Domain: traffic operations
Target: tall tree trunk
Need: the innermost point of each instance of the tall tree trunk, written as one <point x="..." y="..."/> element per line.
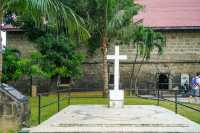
<point x="31" y="85"/>
<point x="136" y="77"/>
<point x="104" y="46"/>
<point x="1" y="64"/>
<point x="105" y="66"/>
<point x="1" y="55"/>
<point x="133" y="71"/>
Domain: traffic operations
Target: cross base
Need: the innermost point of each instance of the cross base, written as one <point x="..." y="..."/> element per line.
<point x="116" y="104"/>
<point x="116" y="98"/>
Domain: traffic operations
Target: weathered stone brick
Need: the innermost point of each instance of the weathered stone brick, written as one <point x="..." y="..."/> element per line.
<point x="181" y="55"/>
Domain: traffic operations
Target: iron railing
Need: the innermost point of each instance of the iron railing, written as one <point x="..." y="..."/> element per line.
<point x="156" y="95"/>
<point x="175" y="93"/>
<point x="57" y="101"/>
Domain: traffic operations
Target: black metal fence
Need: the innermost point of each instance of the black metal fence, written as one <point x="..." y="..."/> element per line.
<point x="172" y="96"/>
<point x="66" y="99"/>
<point x="64" y="95"/>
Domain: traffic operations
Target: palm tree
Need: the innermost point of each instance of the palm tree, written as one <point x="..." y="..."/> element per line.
<point x="54" y="10"/>
<point x="146" y="40"/>
<point x="118" y="25"/>
<point x="107" y="21"/>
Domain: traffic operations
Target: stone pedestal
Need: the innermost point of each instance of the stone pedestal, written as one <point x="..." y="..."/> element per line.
<point x="116" y="98"/>
<point x="34" y="91"/>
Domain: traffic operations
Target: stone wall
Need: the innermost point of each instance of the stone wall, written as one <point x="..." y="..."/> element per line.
<point x="180" y="46"/>
<point x="13" y="113"/>
<point x="8" y="113"/>
<point x="20" y="41"/>
<point x="92" y="77"/>
<point x="6" y="105"/>
<point x="181" y="55"/>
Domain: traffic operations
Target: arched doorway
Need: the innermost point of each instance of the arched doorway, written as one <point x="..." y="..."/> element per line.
<point x="163" y="81"/>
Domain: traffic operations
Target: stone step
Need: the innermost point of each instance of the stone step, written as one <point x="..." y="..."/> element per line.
<point x="122" y="125"/>
<point x="114" y="130"/>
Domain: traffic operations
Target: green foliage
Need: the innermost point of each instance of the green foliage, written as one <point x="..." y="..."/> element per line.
<point x="30" y="67"/>
<point x="92" y="13"/>
<point x="120" y="14"/>
<point x="14" y="66"/>
<point x="10" y="59"/>
<point x="110" y="18"/>
<point x="147" y="40"/>
<point x="11" y="131"/>
<point x="46" y="13"/>
<point x="56" y="56"/>
<point x="59" y="56"/>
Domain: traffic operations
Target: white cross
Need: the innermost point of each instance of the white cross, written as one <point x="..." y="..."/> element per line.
<point x="116" y="58"/>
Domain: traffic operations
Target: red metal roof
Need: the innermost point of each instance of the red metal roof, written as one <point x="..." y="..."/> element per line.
<point x="9" y="27"/>
<point x="169" y="13"/>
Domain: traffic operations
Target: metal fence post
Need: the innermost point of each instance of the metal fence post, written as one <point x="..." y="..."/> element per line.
<point x="69" y="96"/>
<point x="39" y="107"/>
<point x="158" y="97"/>
<point x="58" y="101"/>
<point x="175" y="101"/>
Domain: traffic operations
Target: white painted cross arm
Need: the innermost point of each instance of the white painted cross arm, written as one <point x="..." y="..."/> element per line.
<point x="123" y="57"/>
<point x="116" y="56"/>
<point x="120" y="57"/>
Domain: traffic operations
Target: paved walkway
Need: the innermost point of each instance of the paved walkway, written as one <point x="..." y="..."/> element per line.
<point x="130" y="119"/>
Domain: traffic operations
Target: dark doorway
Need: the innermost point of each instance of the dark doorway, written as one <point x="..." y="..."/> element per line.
<point x="163" y="81"/>
<point x="111" y="73"/>
<point x="111" y="79"/>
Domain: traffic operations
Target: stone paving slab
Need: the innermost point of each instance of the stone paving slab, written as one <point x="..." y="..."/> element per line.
<point x="130" y="119"/>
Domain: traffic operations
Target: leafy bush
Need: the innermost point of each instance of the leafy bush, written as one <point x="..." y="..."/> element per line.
<point x="55" y="56"/>
<point x="60" y="56"/>
<point x="11" y="57"/>
<point x="14" y="66"/>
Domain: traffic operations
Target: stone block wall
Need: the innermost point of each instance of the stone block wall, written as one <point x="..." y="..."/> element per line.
<point x="6" y="105"/>
<point x="180" y="46"/>
<point x="8" y="113"/>
<point x="181" y="55"/>
<point x="92" y="77"/>
<point x="13" y="113"/>
<point x="20" y="41"/>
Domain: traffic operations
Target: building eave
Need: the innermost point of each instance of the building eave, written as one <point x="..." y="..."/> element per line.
<point x="12" y="29"/>
<point x="188" y="28"/>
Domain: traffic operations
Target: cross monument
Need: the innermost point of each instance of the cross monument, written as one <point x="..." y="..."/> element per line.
<point x="116" y="96"/>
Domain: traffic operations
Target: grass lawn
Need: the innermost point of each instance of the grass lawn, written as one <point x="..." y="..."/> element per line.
<point x="95" y="98"/>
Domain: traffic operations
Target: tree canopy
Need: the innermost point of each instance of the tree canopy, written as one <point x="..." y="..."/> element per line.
<point x="51" y="12"/>
<point x="110" y="22"/>
<point x="59" y="56"/>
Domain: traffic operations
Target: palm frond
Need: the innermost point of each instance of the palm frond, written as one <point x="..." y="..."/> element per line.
<point x="58" y="14"/>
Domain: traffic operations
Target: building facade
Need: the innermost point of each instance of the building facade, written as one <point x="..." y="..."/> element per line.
<point x="178" y="20"/>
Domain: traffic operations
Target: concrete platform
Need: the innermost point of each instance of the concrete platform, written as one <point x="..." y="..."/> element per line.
<point x="130" y="119"/>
